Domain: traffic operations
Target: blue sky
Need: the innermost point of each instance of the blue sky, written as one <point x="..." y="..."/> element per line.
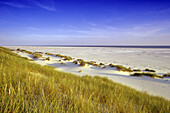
<point x="84" y="22"/>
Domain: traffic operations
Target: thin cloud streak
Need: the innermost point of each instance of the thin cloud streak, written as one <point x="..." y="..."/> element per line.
<point x="19" y="5"/>
<point x="60" y="36"/>
<point x="109" y="34"/>
<point x="49" y="8"/>
<point x="138" y="32"/>
<point x="13" y="4"/>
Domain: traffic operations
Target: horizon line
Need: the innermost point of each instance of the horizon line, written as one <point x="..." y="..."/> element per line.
<point x="121" y="46"/>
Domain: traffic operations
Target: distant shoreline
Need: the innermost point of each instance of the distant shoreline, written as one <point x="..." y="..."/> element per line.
<point x="118" y="46"/>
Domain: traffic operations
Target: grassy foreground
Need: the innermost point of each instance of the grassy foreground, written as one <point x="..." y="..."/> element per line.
<point x="30" y="87"/>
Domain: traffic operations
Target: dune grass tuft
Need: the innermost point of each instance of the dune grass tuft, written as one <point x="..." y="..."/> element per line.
<point x="121" y="68"/>
<point x="83" y="63"/>
<point x="40" y="52"/>
<point x="153" y="75"/>
<point x="75" y="62"/>
<point x="67" y="58"/>
<point x="62" y="62"/>
<point x="97" y="65"/>
<point x="101" y="64"/>
<point x="91" y="62"/>
<point x="48" y="59"/>
<point x="35" y="55"/>
<point x="111" y="65"/>
<point x="18" y="49"/>
<point x="137" y="70"/>
<point x="150" y="70"/>
<point x="25" y="51"/>
<point x="49" y="54"/>
<point x="166" y="75"/>
<point x="59" y="55"/>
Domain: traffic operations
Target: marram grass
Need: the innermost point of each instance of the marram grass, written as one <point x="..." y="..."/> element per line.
<point x="29" y="87"/>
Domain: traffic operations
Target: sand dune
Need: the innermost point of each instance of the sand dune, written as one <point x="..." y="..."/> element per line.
<point x="135" y="58"/>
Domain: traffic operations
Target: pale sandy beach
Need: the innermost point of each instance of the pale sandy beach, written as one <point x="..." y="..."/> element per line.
<point x="142" y="58"/>
<point x="136" y="58"/>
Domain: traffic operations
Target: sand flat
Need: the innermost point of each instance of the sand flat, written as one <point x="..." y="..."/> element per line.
<point x="142" y="58"/>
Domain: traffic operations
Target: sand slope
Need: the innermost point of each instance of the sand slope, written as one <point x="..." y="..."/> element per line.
<point x="160" y="87"/>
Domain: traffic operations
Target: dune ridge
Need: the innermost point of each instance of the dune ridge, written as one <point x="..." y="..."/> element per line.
<point x="159" y="87"/>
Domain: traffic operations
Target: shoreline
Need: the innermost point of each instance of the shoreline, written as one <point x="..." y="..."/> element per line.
<point x="113" y="46"/>
<point x="152" y="86"/>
